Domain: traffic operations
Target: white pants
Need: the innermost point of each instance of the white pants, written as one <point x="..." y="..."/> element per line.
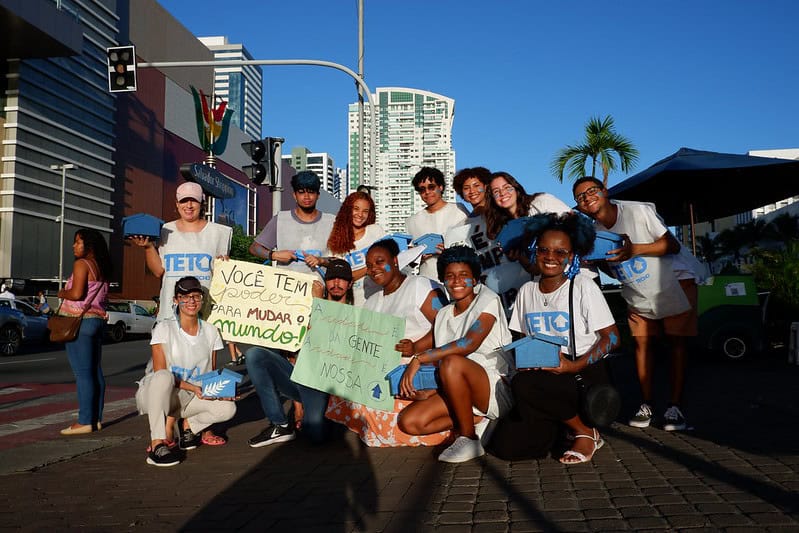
<point x="158" y="397"/>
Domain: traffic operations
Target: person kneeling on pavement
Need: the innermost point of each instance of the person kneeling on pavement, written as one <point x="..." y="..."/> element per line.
<point x="270" y="373"/>
<point x="183" y="347"/>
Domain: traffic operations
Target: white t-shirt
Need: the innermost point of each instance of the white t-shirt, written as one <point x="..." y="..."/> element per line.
<point x="406" y="302"/>
<point x="535" y="312"/>
<point x="450" y="327"/>
<point x="189" y="253"/>
<point x="547" y="203"/>
<point x="364" y="287"/>
<point x="187" y="356"/>
<point x="649" y="284"/>
<point x="287" y="232"/>
<point x="424" y="222"/>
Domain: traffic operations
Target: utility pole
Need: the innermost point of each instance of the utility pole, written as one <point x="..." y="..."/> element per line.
<point x="360" y="99"/>
<point x="64" y="167"/>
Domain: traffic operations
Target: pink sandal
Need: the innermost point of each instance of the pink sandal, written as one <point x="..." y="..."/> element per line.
<point x="213" y="440"/>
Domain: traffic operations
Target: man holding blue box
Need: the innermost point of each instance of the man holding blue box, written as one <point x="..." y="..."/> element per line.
<point x="659" y="284"/>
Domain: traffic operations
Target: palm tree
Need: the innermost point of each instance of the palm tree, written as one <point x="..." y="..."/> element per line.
<point x="601" y="142"/>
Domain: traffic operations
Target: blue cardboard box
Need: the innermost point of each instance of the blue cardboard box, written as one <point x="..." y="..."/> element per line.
<point x="430" y="241"/>
<point x="537" y="351"/>
<point x="604" y="242"/>
<point x="142" y="224"/>
<point x="510" y="236"/>
<point x="220" y="383"/>
<point x="425" y="378"/>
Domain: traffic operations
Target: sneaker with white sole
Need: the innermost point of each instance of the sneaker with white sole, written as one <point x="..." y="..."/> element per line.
<point x="643" y="417"/>
<point x="162" y="456"/>
<point x="272" y="435"/>
<point x="674" y="420"/>
<point x="462" y="450"/>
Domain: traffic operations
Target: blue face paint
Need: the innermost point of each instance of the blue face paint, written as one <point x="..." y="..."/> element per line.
<point x="387" y="268"/>
<point x="469" y="282"/>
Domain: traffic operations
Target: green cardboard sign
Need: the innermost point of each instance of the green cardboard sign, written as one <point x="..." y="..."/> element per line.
<point x="348" y="351"/>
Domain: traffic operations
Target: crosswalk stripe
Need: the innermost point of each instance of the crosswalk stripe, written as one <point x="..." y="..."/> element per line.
<point x="31" y="424"/>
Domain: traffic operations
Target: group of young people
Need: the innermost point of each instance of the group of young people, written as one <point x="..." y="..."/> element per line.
<point x="461" y="306"/>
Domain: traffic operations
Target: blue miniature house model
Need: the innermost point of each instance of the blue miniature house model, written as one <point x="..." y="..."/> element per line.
<point x="402" y="240"/>
<point x="604" y="242"/>
<point x="510" y="236"/>
<point x="142" y="224"/>
<point x="430" y="241"/>
<point x="425" y="378"/>
<point x="537" y="351"/>
<point x="220" y="383"/>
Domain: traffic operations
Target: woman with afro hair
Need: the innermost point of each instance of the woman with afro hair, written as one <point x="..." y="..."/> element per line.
<point x="547" y="399"/>
<point x="354" y="231"/>
<point x="469" y="334"/>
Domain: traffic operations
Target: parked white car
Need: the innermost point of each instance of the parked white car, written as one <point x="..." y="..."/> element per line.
<point x="128" y="317"/>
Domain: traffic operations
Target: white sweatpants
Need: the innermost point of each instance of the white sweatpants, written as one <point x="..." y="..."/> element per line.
<point x="158" y="397"/>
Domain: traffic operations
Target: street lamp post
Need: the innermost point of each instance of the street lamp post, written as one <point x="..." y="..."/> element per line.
<point x="64" y="167"/>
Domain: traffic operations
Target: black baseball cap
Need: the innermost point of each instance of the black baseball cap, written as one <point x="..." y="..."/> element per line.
<point x="188" y="285"/>
<point x="338" y="268"/>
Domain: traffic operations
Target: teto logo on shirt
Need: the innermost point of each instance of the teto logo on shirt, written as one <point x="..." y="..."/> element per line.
<point x="547" y="322"/>
<point x="630" y="271"/>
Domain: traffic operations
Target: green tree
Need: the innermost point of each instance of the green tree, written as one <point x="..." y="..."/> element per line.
<point x="783" y="228"/>
<point x="240" y="246"/>
<point x="778" y="271"/>
<point x="603" y="144"/>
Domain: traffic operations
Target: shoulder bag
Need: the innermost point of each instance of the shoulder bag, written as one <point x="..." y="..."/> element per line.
<point x="64" y="328"/>
<point x="599" y="402"/>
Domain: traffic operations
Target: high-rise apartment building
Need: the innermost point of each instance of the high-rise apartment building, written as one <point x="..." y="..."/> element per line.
<point x="242" y="87"/>
<point x="414" y="130"/>
<point x="321" y="163"/>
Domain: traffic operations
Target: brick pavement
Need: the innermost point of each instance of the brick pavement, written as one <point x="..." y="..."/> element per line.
<point x="736" y="472"/>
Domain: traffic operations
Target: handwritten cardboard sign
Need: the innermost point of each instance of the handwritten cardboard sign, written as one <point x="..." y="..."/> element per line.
<point x="257" y="304"/>
<point x="348" y="352"/>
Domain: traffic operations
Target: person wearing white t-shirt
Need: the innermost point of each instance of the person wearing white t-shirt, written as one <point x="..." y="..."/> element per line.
<point x="548" y="397"/>
<point x="437" y="217"/>
<point x="469" y="334"/>
<point x="292" y="237"/>
<point x="183" y="347"/>
<point x="658" y="285"/>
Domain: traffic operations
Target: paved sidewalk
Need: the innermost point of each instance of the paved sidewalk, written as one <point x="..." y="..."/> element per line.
<point x="738" y="471"/>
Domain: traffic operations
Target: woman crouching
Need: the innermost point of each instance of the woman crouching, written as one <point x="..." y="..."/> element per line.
<point x="469" y="334"/>
<point x="182" y="349"/>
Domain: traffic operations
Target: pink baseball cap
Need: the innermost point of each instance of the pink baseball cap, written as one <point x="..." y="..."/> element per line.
<point x="191" y="190"/>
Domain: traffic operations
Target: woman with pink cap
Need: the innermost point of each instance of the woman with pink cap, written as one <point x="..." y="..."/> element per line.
<point x="187" y="247"/>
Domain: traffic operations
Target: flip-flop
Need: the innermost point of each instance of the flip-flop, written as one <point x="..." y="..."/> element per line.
<point x="213" y="440"/>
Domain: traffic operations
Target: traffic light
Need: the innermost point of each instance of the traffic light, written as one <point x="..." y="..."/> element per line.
<point x="266" y="155"/>
<point x="121" y="68"/>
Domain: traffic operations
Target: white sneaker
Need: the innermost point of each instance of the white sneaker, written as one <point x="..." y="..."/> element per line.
<point x="484" y="429"/>
<point x="462" y="450"/>
<point x="643" y="417"/>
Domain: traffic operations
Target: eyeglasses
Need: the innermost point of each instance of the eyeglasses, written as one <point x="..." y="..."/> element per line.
<point x="426" y="188"/>
<point x="193" y="297"/>
<point x="560" y="253"/>
<point x="507" y="189"/>
<point x="590" y="191"/>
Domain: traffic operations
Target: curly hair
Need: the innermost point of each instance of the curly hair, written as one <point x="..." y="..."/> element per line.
<point x="342" y="236"/>
<point x="94" y="242"/>
<point x="481" y="173"/>
<point x="579" y="228"/>
<point x="429" y="173"/>
<point x="496" y="217"/>
<point x="459" y="254"/>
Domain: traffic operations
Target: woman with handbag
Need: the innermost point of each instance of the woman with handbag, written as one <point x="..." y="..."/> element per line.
<point x="84" y="299"/>
<point x="560" y="301"/>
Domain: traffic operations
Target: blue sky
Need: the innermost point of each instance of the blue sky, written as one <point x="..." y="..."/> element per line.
<point x="715" y="75"/>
